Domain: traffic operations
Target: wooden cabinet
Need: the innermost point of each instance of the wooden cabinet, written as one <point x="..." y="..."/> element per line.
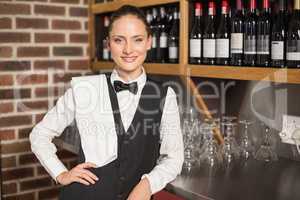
<point x="183" y="68"/>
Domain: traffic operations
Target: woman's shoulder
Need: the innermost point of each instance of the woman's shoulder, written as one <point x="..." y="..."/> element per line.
<point x="87" y="79"/>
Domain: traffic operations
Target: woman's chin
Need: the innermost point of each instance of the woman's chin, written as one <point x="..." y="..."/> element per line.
<point x="129" y="66"/>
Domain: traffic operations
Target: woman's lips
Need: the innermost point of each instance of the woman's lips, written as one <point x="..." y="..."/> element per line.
<point x="129" y="59"/>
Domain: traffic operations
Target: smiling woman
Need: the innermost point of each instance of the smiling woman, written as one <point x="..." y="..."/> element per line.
<point x="126" y="121"/>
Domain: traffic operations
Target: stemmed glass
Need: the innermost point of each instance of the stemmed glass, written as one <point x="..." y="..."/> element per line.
<point x="189" y="129"/>
<point x="266" y="152"/>
<point x="227" y="119"/>
<point x="230" y="150"/>
<point x="209" y="156"/>
<point x="247" y="147"/>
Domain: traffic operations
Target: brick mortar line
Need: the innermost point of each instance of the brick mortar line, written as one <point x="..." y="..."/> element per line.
<point x="48" y="3"/>
<point x="40" y="71"/>
<point x="29" y="30"/>
<point x="62" y="71"/>
<point x="50" y="18"/>
<point x="45" y="44"/>
<point x="32" y="165"/>
<point x="54" y="58"/>
<point x="16" y="129"/>
<point x="17" y="87"/>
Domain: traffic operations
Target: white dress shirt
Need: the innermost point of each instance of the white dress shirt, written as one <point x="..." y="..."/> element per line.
<point x="88" y="102"/>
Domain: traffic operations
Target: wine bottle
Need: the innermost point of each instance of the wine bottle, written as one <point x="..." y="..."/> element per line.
<point x="170" y="18"/>
<point x="173" y="41"/>
<point x="263" y="36"/>
<point x="250" y="26"/>
<point x="155" y="35"/>
<point x="237" y="35"/>
<point x="105" y="52"/>
<point x="149" y="18"/>
<point x="196" y="36"/>
<point x="162" y="50"/>
<point x="293" y="38"/>
<point x="209" y="37"/>
<point x="278" y="38"/>
<point x="223" y="36"/>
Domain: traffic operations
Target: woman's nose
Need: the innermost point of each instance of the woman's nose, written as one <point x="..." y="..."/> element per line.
<point x="127" y="48"/>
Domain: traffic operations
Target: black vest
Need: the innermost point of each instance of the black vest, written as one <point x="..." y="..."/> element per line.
<point x="138" y="149"/>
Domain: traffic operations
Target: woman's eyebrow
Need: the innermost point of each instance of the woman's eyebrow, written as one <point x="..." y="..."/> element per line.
<point x="121" y="36"/>
<point x="136" y="36"/>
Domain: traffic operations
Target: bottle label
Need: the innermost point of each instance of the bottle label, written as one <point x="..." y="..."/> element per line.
<point x="263" y="44"/>
<point x="277" y="50"/>
<point x="209" y="48"/>
<point x="195" y="48"/>
<point x="154" y="45"/>
<point x="163" y="40"/>
<point x="173" y="52"/>
<point x="197" y="12"/>
<point x="211" y="11"/>
<point x="250" y="44"/>
<point x="105" y="54"/>
<point x="237" y="43"/>
<point x="222" y="48"/>
<point x="293" y="56"/>
<point x="293" y="50"/>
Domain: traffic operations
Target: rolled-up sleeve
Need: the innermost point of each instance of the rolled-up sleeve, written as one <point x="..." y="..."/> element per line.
<point x="171" y="148"/>
<point x="52" y="125"/>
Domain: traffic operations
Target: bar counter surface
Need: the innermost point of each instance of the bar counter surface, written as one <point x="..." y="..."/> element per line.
<point x="251" y="180"/>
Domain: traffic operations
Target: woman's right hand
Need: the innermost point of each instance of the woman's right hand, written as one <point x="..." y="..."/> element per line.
<point x="78" y="174"/>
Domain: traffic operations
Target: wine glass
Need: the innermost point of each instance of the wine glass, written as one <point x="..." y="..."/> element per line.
<point x="190" y="133"/>
<point x="266" y="152"/>
<point x="227" y="119"/>
<point x="210" y="156"/>
<point x="230" y="150"/>
<point x="247" y="147"/>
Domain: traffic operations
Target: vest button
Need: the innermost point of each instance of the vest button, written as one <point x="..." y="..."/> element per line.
<point x="126" y="142"/>
<point x="120" y="195"/>
<point x="122" y="178"/>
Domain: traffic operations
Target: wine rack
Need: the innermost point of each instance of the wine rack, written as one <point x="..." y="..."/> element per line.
<point x="183" y="68"/>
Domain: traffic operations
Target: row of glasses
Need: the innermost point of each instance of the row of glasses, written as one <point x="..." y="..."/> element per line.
<point x="233" y="152"/>
<point x="201" y="148"/>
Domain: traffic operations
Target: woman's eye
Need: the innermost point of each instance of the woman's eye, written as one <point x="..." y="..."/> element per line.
<point x="117" y="40"/>
<point x="139" y="40"/>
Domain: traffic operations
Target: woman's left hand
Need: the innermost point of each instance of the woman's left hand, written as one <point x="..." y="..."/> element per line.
<point x="141" y="191"/>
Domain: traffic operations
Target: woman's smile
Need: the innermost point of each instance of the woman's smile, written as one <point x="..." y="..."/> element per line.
<point x="129" y="59"/>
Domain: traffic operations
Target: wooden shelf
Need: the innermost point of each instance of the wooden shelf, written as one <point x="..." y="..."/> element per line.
<point x="163" y="69"/>
<point x="111" y="6"/>
<point x="220" y="72"/>
<point x="245" y="73"/>
<point x="152" y="68"/>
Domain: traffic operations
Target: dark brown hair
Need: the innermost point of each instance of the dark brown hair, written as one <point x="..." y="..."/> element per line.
<point x="129" y="10"/>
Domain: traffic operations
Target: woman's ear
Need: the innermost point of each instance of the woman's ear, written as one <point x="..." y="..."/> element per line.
<point x="149" y="42"/>
<point x="107" y="43"/>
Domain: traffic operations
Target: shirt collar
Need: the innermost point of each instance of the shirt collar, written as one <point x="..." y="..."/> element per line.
<point x="141" y="79"/>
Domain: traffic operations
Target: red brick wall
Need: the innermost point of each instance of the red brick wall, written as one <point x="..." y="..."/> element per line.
<point x="42" y="44"/>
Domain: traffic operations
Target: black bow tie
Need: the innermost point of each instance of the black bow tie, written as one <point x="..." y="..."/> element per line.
<point x="132" y="87"/>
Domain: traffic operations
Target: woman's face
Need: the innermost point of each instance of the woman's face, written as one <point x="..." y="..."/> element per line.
<point x="128" y="43"/>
